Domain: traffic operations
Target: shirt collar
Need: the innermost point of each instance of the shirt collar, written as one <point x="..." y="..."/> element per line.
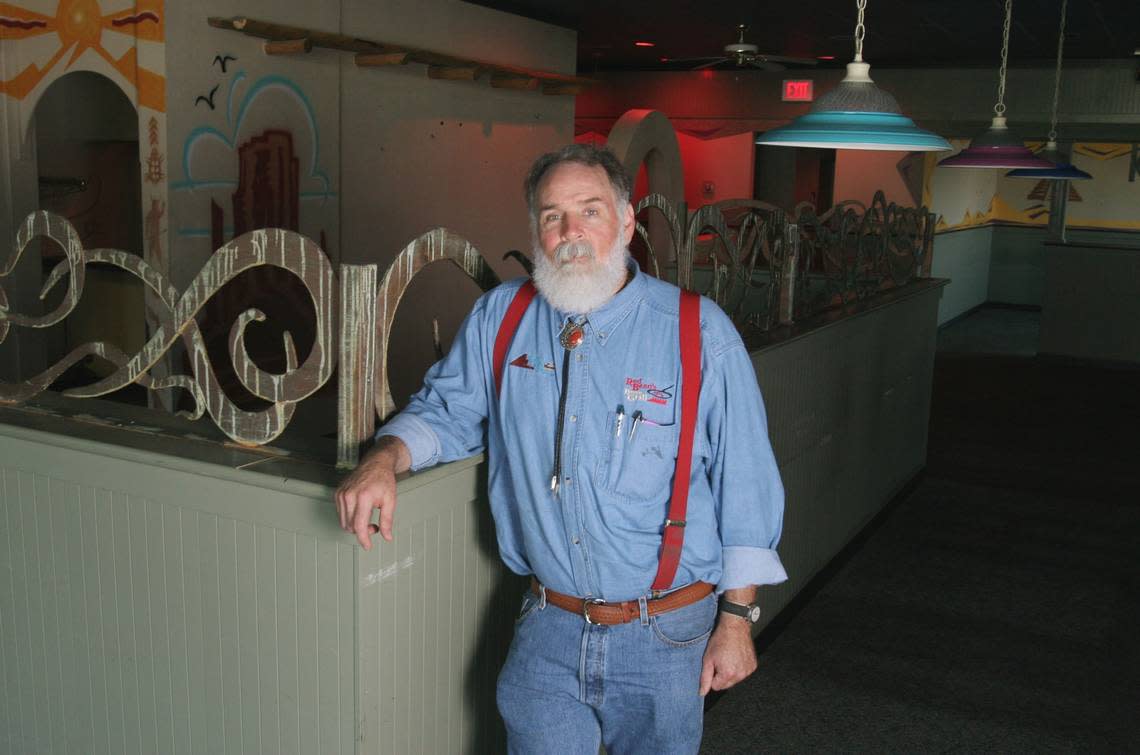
<point x="620" y="305"/>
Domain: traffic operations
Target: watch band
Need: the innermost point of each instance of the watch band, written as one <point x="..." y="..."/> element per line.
<point x="750" y="612"/>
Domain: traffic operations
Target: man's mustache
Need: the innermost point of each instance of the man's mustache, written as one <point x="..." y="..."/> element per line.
<point x="568" y="251"/>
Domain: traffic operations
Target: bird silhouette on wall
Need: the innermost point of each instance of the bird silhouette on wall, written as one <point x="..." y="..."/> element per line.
<point x="208" y="99"/>
<point x="222" y="60"/>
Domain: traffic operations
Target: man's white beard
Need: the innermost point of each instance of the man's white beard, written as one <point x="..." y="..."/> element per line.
<point x="579" y="288"/>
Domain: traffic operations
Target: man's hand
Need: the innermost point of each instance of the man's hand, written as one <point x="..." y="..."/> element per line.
<point x="730" y="655"/>
<point x="372" y="485"/>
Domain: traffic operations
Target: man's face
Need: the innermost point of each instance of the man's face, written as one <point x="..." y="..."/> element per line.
<point x="576" y="203"/>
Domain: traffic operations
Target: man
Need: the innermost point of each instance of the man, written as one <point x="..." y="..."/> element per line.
<point x="582" y="436"/>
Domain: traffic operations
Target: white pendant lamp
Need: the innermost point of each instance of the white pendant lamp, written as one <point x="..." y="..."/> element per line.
<point x="856" y="115"/>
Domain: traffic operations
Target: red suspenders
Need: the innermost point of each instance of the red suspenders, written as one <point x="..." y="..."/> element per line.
<point x="674" y="535"/>
<point x="690" y="340"/>
<point x="508" y="327"/>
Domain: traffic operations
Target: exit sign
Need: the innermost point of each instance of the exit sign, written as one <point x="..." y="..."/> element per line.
<point x="797" y="90"/>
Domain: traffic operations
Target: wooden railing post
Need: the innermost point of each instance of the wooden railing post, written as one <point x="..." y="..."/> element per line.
<point x="788" y="274"/>
<point x="356" y="341"/>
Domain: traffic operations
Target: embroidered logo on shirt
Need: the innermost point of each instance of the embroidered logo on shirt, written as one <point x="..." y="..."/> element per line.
<point x="523" y="362"/>
<point x="640" y="389"/>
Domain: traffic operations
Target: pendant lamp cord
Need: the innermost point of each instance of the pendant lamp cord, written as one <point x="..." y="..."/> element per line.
<point x="860" y="31"/>
<point x="1057" y="78"/>
<point x="999" y="108"/>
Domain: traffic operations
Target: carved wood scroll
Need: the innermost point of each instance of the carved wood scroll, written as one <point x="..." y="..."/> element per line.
<point x="284" y="249"/>
<point x="764" y="270"/>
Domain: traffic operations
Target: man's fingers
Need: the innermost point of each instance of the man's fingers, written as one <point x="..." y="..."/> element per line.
<point x="387" y="514"/>
<point x="340" y="505"/>
<point x="361" y="517"/>
<point x="707" y="671"/>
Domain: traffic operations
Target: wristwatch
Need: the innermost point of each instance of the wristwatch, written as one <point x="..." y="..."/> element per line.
<point x="751" y="612"/>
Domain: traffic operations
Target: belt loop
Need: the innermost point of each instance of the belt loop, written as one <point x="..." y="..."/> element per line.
<point x="541" y="596"/>
<point x="643" y="604"/>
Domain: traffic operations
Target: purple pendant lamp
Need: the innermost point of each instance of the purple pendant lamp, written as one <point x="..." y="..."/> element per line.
<point x="997" y="146"/>
<point x="1062" y="169"/>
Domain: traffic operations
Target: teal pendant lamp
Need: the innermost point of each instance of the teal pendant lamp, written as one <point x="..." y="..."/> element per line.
<point x="997" y="146"/>
<point x="1062" y="169"/>
<point x="856" y="115"/>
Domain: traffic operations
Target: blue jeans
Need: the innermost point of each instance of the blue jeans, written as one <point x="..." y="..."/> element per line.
<point x="568" y="686"/>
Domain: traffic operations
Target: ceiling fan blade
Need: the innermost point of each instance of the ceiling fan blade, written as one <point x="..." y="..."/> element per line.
<point x="787" y="59"/>
<point x="701" y="59"/>
<point x="711" y="63"/>
<point x="764" y="64"/>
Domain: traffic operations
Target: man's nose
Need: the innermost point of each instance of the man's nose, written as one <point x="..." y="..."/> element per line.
<point x="571" y="228"/>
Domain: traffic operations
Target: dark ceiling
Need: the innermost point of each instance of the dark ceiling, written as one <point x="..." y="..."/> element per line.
<point x="899" y="32"/>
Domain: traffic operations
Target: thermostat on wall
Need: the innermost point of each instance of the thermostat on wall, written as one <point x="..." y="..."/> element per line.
<point x="797" y="90"/>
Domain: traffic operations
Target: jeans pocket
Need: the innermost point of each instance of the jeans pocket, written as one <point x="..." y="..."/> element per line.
<point x="688" y="625"/>
<point x="529" y="603"/>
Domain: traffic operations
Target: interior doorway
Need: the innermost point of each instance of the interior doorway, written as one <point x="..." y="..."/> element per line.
<point x="787" y="176"/>
<point x="86" y="137"/>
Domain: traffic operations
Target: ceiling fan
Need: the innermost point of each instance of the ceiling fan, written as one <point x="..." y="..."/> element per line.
<point x="747" y="54"/>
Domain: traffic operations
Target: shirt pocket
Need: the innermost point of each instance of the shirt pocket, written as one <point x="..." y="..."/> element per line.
<point x="640" y="462"/>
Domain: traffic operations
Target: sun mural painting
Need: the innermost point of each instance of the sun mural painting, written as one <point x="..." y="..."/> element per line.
<point x="111" y="30"/>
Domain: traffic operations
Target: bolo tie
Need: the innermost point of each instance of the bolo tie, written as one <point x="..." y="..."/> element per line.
<point x="571" y="338"/>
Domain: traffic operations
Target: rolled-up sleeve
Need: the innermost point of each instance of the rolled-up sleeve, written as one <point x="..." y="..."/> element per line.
<point x="743" y="474"/>
<point x="446" y="419"/>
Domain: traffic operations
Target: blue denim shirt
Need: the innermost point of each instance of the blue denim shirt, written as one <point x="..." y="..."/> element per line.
<point x="599" y="534"/>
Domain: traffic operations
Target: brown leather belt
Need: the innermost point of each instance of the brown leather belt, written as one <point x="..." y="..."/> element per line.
<point x="595" y="611"/>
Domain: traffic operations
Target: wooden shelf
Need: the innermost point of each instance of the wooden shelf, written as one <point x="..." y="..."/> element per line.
<point x="295" y="40"/>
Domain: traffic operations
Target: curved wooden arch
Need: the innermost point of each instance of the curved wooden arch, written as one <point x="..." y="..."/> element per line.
<point x="647" y="136"/>
<point x="438" y="245"/>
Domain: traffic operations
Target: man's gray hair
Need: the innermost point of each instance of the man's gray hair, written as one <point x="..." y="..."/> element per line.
<point x="584" y="154"/>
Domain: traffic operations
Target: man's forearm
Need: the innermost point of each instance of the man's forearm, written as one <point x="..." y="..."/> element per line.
<point x="389" y="449"/>
<point x="741" y="596"/>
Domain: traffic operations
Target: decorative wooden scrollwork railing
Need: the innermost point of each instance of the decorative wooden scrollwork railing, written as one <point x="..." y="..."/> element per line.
<point x="761" y="268"/>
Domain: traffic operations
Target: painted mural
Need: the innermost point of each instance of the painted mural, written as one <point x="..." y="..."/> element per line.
<point x="1112" y="198"/>
<point x="55" y="38"/>
<point x="237" y="114"/>
<point x="251" y="159"/>
<point x="970" y="198"/>
<point x="123" y="40"/>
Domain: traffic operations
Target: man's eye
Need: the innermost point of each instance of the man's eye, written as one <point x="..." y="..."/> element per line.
<point x="548" y="219"/>
<point x="591" y="210"/>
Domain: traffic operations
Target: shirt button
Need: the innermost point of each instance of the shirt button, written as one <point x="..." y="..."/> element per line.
<point x="567" y="480"/>
<point x="581" y="357"/>
<point x="576" y="541"/>
<point x="573" y="417"/>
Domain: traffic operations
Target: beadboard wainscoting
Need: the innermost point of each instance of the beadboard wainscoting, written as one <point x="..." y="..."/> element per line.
<point x="163" y="594"/>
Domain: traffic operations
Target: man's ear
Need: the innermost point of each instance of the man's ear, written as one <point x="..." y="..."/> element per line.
<point x="627" y="224"/>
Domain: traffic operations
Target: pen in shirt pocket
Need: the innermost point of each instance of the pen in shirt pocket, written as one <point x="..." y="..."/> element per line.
<point x="637" y="420"/>
<point x="620" y="421"/>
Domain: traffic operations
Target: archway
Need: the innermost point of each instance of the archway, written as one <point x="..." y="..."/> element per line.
<point x="647" y="137"/>
<point x="86" y="137"/>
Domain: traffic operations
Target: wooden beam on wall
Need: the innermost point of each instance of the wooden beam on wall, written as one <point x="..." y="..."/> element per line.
<point x="378" y="59"/>
<point x="454" y="73"/>
<point x="288" y="46"/>
<point x="283" y="40"/>
<point x="501" y="80"/>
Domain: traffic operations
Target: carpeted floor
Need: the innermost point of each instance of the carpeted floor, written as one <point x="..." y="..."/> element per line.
<point x="994" y="608"/>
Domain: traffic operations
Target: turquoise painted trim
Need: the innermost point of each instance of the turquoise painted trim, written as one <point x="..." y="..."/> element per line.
<point x="192" y="185"/>
<point x="230" y="140"/>
<point x="855" y="130"/>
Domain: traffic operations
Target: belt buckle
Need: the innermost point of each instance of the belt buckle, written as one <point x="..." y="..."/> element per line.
<point x="586" y="603"/>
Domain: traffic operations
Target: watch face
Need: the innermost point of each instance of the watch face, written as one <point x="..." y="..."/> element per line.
<point x="754" y="614"/>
